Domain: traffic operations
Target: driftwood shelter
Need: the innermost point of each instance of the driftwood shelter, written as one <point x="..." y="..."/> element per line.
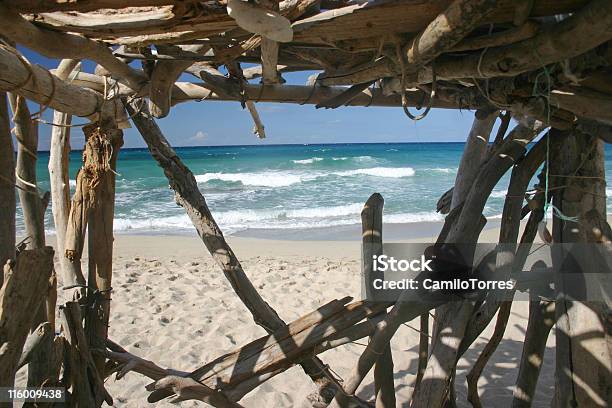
<point x="545" y="63"/>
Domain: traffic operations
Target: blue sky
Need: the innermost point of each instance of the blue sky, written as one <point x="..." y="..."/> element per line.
<point x="213" y="123"/>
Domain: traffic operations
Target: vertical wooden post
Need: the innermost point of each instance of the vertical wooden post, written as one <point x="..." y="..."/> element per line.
<point x="106" y="139"/>
<point x="583" y="362"/>
<point x="41" y="370"/>
<point x="372" y="224"/>
<point x="59" y="179"/>
<point x="7" y="187"/>
<point x="23" y="291"/>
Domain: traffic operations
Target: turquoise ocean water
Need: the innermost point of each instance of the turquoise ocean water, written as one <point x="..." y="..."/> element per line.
<point x="288" y="187"/>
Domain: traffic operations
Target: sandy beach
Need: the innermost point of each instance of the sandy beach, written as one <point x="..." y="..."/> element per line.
<point x="172" y="305"/>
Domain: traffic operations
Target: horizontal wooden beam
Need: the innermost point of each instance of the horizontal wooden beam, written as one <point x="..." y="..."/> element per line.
<point x="39" y="85"/>
<point x="383" y="18"/>
<point x="296" y="94"/>
<point x="42" y="6"/>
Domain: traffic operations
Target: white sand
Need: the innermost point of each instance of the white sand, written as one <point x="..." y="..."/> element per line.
<point x="172" y="305"/>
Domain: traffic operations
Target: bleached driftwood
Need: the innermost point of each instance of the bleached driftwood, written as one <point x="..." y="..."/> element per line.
<point x="59" y="151"/>
<point x="446" y="30"/>
<point x="64" y="45"/>
<point x="506" y="37"/>
<point x="7" y="186"/>
<point x="371" y="236"/>
<point x="38" y="85"/>
<point x="25" y="287"/>
<point x="163" y="77"/>
<point x="255" y="19"/>
<point x="474" y="154"/>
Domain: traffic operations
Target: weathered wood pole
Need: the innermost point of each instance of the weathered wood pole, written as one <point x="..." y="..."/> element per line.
<point x="23" y="291"/>
<point x="541" y="321"/>
<point x="583" y="361"/>
<point x="107" y="139"/>
<point x="59" y="152"/>
<point x="474" y="155"/>
<point x="372" y="224"/>
<point x="7" y="186"/>
<point x="41" y="369"/>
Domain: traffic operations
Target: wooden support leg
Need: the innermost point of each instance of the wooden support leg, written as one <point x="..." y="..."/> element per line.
<point x="59" y="180"/>
<point x="372" y="223"/>
<point x="7" y="186"/>
<point x="105" y="143"/>
<point x="583" y="375"/>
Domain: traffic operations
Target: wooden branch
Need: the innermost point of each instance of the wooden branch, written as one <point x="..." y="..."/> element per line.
<point x="372" y="224"/>
<point x="540" y="322"/>
<point x="34" y="341"/>
<point x="474" y="154"/>
<point x="501" y="38"/>
<point x="269" y="51"/>
<point x="578" y="159"/>
<point x="26" y="133"/>
<point x="41" y="6"/>
<point x="87" y="386"/>
<point x="454" y="318"/>
<point x="59" y="151"/>
<point x="24" y="290"/>
<point x="189" y="197"/>
<point x="522" y="11"/>
<point x="63" y="45"/>
<point x="240" y="371"/>
<point x="379" y="18"/>
<point x="108" y="140"/>
<point x="38" y="85"/>
<point x="582" y="31"/>
<point x="443" y="206"/>
<point x="7" y="186"/>
<point x="446" y="30"/>
<point x="165" y="74"/>
<point x="345" y="97"/>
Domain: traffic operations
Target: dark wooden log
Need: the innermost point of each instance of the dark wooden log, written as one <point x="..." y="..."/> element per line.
<point x="7" y="186"/>
<point x="189" y="197"/>
<point x="24" y="290"/>
<point x="372" y="245"/>
<point x="541" y="320"/>
<point x="578" y="160"/>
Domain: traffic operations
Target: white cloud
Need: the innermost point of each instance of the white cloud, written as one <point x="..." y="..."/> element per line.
<point x="199" y="136"/>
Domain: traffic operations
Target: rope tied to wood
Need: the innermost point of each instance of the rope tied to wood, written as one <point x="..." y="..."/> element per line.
<point x="400" y="58"/>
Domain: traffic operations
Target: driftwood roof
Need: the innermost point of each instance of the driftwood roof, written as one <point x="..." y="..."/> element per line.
<point x="548" y="59"/>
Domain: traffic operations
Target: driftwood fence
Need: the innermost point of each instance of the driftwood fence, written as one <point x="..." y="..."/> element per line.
<point x="544" y="63"/>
